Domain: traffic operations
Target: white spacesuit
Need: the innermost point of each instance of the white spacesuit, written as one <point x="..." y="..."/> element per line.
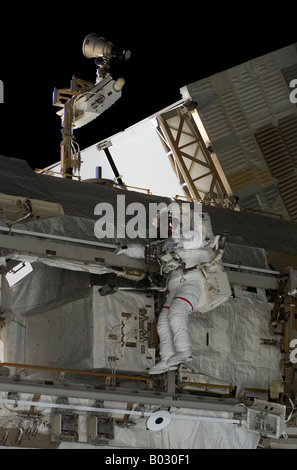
<point x="181" y="258"/>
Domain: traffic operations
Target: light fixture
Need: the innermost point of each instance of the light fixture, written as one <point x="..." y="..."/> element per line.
<point x="17" y="273"/>
<point x="95" y="46"/>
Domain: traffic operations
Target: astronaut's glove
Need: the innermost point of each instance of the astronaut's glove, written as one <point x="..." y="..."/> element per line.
<point x="121" y="249"/>
<point x="170" y="264"/>
<point x="134" y="250"/>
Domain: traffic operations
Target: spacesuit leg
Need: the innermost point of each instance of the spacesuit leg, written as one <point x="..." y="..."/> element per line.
<point x="179" y="319"/>
<point x="186" y="298"/>
<point x="167" y="348"/>
<point x="165" y="334"/>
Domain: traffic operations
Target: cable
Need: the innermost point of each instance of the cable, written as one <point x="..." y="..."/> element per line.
<point x="291" y="413"/>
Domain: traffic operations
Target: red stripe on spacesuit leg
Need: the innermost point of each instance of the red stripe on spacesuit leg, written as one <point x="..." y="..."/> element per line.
<point x="166" y="307"/>
<point x="186" y="300"/>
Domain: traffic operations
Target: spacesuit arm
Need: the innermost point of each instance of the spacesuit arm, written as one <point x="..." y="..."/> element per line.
<point x="191" y="240"/>
<point x="135" y="250"/>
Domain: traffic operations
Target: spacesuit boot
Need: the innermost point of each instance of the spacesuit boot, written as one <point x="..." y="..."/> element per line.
<point x="179" y="357"/>
<point x="161" y="367"/>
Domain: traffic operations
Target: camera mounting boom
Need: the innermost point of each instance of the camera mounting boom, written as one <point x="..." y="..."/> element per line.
<point x="85" y="101"/>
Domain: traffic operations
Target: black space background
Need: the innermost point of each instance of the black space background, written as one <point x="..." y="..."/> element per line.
<point x="172" y="45"/>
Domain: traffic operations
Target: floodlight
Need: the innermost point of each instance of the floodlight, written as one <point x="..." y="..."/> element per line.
<point x="95" y="46"/>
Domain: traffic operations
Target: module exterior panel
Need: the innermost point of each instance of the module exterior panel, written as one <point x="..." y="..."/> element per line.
<point x="252" y="126"/>
<point x="110" y="333"/>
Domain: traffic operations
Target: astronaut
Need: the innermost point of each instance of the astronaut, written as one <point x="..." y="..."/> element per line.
<point x="183" y="254"/>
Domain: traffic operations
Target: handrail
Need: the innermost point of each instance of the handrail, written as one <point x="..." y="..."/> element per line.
<point x="263" y="212"/>
<point x="195" y="199"/>
<point x="56" y="173"/>
<point x="37" y="170"/>
<point x="148" y="380"/>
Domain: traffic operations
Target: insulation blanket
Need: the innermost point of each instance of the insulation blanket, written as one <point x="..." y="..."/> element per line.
<point x="181" y="434"/>
<point x="227" y="342"/>
<point x="190" y="434"/>
<point x="93" y="332"/>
